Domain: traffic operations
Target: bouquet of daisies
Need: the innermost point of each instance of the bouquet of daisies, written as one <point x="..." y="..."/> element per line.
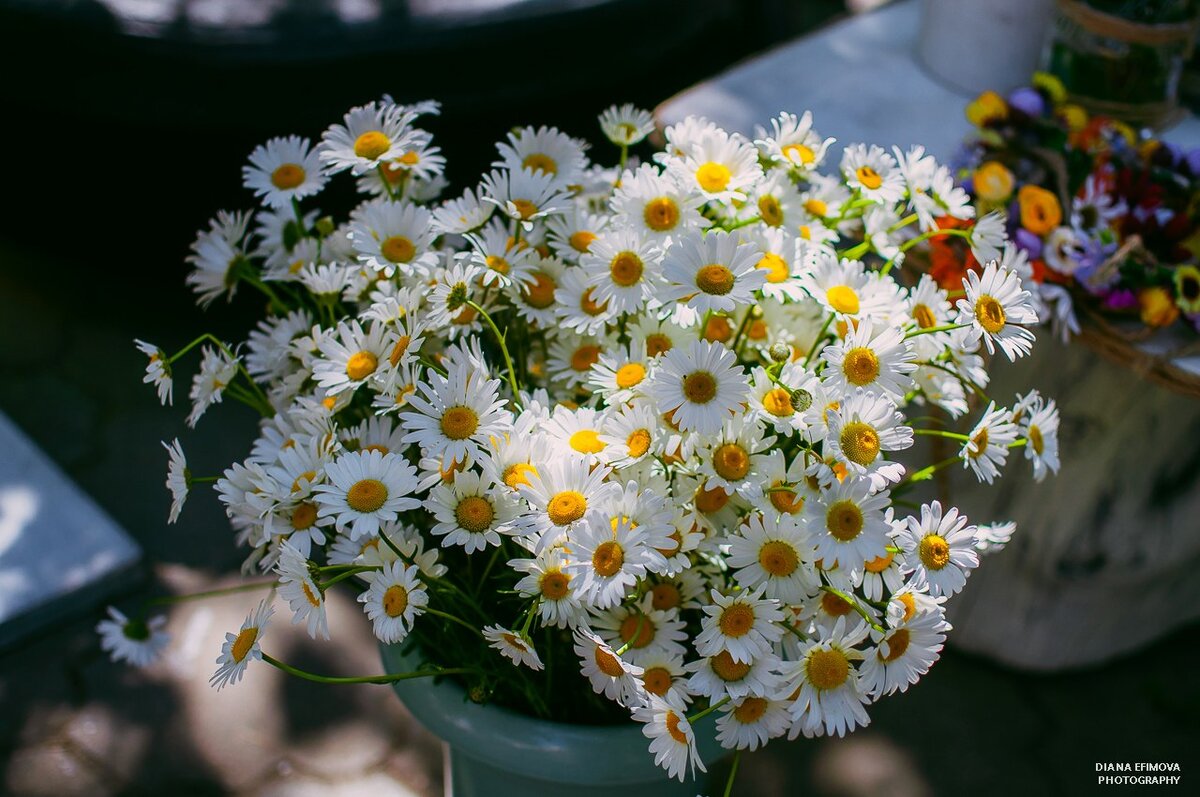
<point x="1107" y="219"/>
<point x="610" y="443"/>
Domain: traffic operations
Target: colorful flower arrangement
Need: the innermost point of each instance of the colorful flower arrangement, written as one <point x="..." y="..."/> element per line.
<point x="1109" y="219"/>
<point x="630" y="430"/>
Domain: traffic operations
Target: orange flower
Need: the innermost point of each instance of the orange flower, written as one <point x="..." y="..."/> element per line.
<point x="950" y="258"/>
<point x="993" y="182"/>
<point x="1040" y="212"/>
<point x="986" y="108"/>
<point x="1157" y="306"/>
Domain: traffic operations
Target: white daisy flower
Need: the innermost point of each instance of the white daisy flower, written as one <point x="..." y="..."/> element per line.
<point x="216" y="256"/>
<point x="297" y="587"/>
<point x="719" y="676"/>
<point x="831" y="697"/>
<point x="455" y="286"/>
<point x="572" y="234"/>
<point x="369" y="137"/>
<point x="672" y="740"/>
<point x="664" y="675"/>
<point x="941" y="549"/>
<point x="744" y="623"/>
<point x="546" y="150"/>
<point x="995" y="307"/>
<point x="656" y="205"/>
<point x="283" y="169"/>
<point x="714" y="272"/>
<point x="607" y="560"/>
<point x="730" y="458"/>
<point x="459" y="216"/>
<point x="394" y="236"/>
<point x="699" y="388"/>
<point x="988" y="236"/>
<point x="987" y="449"/>
<point x="773" y="552"/>
<point x="751" y="722"/>
<point x="471" y="512"/>
<point x="366" y="488"/>
<point x="499" y="257"/>
<point x="630" y="434"/>
<point x="242" y="648"/>
<point x="993" y="537"/>
<point x="578" y="306"/>
<point x="720" y="165"/>
<point x="178" y="478"/>
<point x="620" y="377"/>
<point x="873" y="173"/>
<point x="878" y="360"/>
<point x="608" y="673"/>
<point x="138" y="642"/>
<point x="1039" y="427"/>
<point x="847" y="523"/>
<point x="626" y="125"/>
<point x="393" y="600"/>
<point x="456" y="415"/>
<point x="903" y="653"/>
<point x="548" y="581"/>
<point x="563" y="494"/>
<point x="534" y="297"/>
<point x="883" y="575"/>
<point x="863" y="427"/>
<point x="158" y="372"/>
<point x="524" y="195"/>
<point x="623" y="269"/>
<point x="841" y="286"/>
<point x="349" y="357"/>
<point x="793" y="142"/>
<point x="641" y="631"/>
<point x="208" y="386"/>
<point x="513" y="647"/>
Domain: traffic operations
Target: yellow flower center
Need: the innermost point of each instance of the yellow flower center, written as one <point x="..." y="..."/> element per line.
<point x="459" y="423"/>
<point x="1035" y="439"/>
<point x="775" y="266"/>
<point x="608" y="663"/>
<point x="661" y="214"/>
<point x="638" y="442"/>
<point x="566" y="507"/>
<point x="910" y="605"/>
<point x="713" y="177"/>
<point x="869" y="178"/>
<point x="897" y="644"/>
<point x="880" y="563"/>
<point x="399" y="350"/>
<point x="665" y="596"/>
<point x="709" y="501"/>
<point x="816" y="207"/>
<point x="398" y="249"/>
<point x="395" y="600"/>
<point x="778" y="402"/>
<point x="700" y="387"/>
<point x="785" y="501"/>
<point x="989" y="314"/>
<point x="537" y="161"/>
<point x="307" y="476"/>
<point x="288" y="175"/>
<point x="540" y="294"/>
<point x="553" y="585"/>
<point x="367" y="495"/>
<point x="608" y="559"/>
<point x="778" y="558"/>
<point x="630" y="374"/>
<point x="585" y="357"/>
<point x="714" y="279"/>
<point x="475" y="514"/>
<point x="304" y="516"/>
<point x="674" y="728"/>
<point x="843" y="299"/>
<point x="727" y="669"/>
<point x="979" y="444"/>
<point x="517" y="474"/>
<point x="657" y="680"/>
<point x="589" y="305"/>
<point x="860" y="443"/>
<point x="924" y="316"/>
<point x="731" y="461"/>
<point x="241" y="646"/>
<point x="497" y="264"/>
<point x="361" y="365"/>
<point x="717" y="328"/>
<point x="827" y="669"/>
<point x="658" y="343"/>
<point x="844" y="520"/>
<point x="736" y="620"/>
<point x="525" y="208"/>
<point x="769" y="209"/>
<point x="758" y="328"/>
<point x="861" y="366"/>
<point x="314" y="598"/>
<point x="934" y="551"/>
<point x="834" y="605"/>
<point x="586" y="441"/>
<point x="371" y="145"/>
<point x="750" y="710"/>
<point x="799" y="153"/>
<point x="637" y="630"/>
<point x="626" y="269"/>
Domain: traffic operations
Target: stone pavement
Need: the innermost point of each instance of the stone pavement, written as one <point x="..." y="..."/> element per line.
<point x="74" y="724"/>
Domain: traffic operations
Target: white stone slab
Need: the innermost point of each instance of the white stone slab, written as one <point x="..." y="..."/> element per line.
<point x="59" y="552"/>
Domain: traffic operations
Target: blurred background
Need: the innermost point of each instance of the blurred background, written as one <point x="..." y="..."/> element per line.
<point x="126" y="124"/>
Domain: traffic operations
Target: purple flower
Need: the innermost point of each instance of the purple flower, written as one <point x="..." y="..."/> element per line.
<point x="1028" y="101"/>
<point x="1029" y="242"/>
<point x="1193" y="161"/>
<point x="1121" y="299"/>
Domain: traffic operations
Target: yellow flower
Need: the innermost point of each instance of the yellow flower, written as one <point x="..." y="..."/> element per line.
<point x="1050" y="85"/>
<point x="1187" y="288"/>
<point x="993" y="182"/>
<point x="987" y="107"/>
<point x="1075" y="117"/>
<point x="1040" y="211"/>
<point x="1158" y="306"/>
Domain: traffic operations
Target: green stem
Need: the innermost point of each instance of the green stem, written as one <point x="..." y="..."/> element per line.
<point x="924" y="474"/>
<point x="743" y="223"/>
<point x="512" y="378"/>
<point x="354" y="571"/>
<point x="742" y="327"/>
<point x="855" y="252"/>
<point x="733" y="768"/>
<point x="820" y="337"/>
<point x="363" y="679"/>
<point x="850" y="599"/>
<point x="701" y="715"/>
<point x="943" y="433"/>
<point x="212" y="593"/>
<point x="453" y="619"/>
<point x="904" y="222"/>
<point x="930" y="330"/>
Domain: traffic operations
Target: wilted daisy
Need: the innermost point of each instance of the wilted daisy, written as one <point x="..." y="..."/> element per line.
<point x="608" y="673"/>
<point x="393" y="600"/>
<point x="243" y="647"/>
<point x="830" y="696"/>
<point x="297" y="587"/>
<point x="158" y="372"/>
<point x="282" y="170"/>
<point x="672" y="740"/>
<point x="699" y="388"/>
<point x="986" y="450"/>
<point x="941" y="548"/>
<point x="217" y="370"/>
<point x="138" y="642"/>
<point x="626" y="125"/>
<point x="995" y="307"/>
<point x="177" y="478"/>
<point x="216" y="256"/>
<point x="471" y="512"/>
<point x="713" y="272"/>
<point x="366" y="488"/>
<point x="743" y="623"/>
<point x="513" y="647"/>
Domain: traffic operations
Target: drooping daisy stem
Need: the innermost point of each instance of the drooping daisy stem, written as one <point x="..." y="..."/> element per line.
<point x="943" y="433"/>
<point x="854" y="604"/>
<point x="257" y="399"/>
<point x="702" y="714"/>
<point x="930" y="330"/>
<point x="508" y="363"/>
<point x="733" y="768"/>
<point x="743" y="223"/>
<point x="962" y="379"/>
<point x="354" y="571"/>
<point x="364" y="679"/>
<point x="211" y="593"/>
<point x="924" y="474"/>
<point x="453" y="619"/>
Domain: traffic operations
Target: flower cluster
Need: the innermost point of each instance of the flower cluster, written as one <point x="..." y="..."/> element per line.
<point x="637" y="425"/>
<point x="1104" y="216"/>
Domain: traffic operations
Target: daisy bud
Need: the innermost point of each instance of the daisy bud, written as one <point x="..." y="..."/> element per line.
<point x="801" y="399"/>
<point x="325" y="226"/>
<point x="780" y="352"/>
